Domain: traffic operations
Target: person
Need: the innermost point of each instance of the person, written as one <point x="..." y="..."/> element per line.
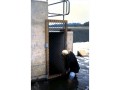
<point x="70" y="62"/>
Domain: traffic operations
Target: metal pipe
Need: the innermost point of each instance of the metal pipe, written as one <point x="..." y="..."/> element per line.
<point x="63" y="9"/>
<point x="67" y="9"/>
<point x="55" y="3"/>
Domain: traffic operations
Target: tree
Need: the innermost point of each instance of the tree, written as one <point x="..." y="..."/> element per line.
<point x="86" y="24"/>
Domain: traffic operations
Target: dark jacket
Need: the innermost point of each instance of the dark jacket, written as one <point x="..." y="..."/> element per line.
<point x="71" y="63"/>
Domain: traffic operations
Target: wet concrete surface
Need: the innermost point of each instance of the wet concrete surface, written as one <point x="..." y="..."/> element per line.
<point x="80" y="82"/>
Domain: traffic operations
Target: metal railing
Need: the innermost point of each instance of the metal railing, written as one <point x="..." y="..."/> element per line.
<point x="66" y="10"/>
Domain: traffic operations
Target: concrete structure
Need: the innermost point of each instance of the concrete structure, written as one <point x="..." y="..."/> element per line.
<point x="39" y="66"/>
<point x="70" y="40"/>
<point x="39" y="12"/>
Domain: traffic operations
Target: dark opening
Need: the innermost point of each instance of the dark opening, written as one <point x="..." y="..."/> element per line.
<point x="56" y="45"/>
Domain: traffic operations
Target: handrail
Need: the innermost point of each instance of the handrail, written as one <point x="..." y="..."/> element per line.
<point x="55" y="3"/>
<point x="59" y="14"/>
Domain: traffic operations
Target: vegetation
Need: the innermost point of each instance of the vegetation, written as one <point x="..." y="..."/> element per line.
<point x="86" y="24"/>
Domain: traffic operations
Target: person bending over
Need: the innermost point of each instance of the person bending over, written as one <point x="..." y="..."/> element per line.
<point x="71" y="64"/>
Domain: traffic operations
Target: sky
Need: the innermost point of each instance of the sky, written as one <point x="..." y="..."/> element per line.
<point x="79" y="10"/>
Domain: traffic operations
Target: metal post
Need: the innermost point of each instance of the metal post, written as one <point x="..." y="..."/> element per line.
<point x="47" y="47"/>
<point x="65" y="35"/>
<point x="63" y="9"/>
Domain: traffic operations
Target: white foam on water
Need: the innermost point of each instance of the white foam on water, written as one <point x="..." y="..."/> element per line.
<point x="80" y="46"/>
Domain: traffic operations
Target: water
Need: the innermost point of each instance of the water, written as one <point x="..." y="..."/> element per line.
<point x="80" y="82"/>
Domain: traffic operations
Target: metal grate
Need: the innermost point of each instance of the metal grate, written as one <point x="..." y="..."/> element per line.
<point x="57" y="25"/>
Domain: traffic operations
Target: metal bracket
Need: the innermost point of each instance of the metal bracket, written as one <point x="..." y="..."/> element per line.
<point x="46" y="45"/>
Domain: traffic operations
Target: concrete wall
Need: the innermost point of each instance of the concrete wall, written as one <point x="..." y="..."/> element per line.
<point x="70" y="40"/>
<point x="39" y="12"/>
